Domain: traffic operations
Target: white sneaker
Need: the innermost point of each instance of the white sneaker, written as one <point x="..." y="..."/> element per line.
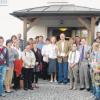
<point x="55" y="81"/>
<point x="51" y="81"/>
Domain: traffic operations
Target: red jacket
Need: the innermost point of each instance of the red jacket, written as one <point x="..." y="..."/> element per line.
<point x="18" y="67"/>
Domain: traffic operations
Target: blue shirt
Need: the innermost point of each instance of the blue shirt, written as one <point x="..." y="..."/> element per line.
<point x="40" y="45"/>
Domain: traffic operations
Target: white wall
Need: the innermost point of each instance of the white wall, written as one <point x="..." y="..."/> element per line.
<point x="37" y="31"/>
<point x="10" y="25"/>
<point x="41" y="25"/>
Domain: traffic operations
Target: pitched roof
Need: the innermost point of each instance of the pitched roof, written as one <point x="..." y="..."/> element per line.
<point x="67" y="9"/>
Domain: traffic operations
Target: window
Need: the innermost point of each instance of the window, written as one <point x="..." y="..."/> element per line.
<point x="3" y="2"/>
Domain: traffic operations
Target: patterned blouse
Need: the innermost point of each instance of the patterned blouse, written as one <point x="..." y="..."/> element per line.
<point x="97" y="66"/>
<point x="4" y="56"/>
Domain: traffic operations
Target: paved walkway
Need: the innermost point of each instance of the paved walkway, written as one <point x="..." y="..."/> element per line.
<point x="49" y="91"/>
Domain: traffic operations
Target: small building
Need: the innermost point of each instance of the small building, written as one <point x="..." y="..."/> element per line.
<point x="55" y="19"/>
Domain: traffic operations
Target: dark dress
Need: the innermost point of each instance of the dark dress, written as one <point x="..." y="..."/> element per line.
<point x="37" y="69"/>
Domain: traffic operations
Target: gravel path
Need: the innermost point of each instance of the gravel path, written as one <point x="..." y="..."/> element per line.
<point x="49" y="91"/>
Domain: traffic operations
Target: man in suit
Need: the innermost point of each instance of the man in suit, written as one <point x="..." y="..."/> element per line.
<point x="84" y="68"/>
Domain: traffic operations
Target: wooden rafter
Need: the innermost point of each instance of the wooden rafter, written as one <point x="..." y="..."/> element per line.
<point x="25" y="30"/>
<point x="89" y="26"/>
<point x="84" y="23"/>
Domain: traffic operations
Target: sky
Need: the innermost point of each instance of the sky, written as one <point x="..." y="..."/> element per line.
<point x="7" y="21"/>
<point x="32" y="3"/>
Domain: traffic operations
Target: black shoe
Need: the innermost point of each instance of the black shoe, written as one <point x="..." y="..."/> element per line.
<point x="64" y="83"/>
<point x="26" y="89"/>
<point x="81" y="88"/>
<point x="59" y="82"/>
<point x="9" y="91"/>
<point x="31" y="88"/>
<point x="88" y="89"/>
<point x="16" y="88"/>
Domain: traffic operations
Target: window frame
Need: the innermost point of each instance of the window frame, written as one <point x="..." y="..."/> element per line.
<point x="3" y="2"/>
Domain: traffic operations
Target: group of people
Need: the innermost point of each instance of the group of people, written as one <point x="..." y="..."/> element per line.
<point x="59" y="61"/>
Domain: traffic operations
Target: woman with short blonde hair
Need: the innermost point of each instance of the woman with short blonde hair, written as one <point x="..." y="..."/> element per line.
<point x="52" y="55"/>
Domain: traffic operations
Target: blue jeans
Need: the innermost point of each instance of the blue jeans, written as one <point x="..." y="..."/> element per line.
<point x="97" y="94"/>
<point x="63" y="72"/>
<point x="2" y="78"/>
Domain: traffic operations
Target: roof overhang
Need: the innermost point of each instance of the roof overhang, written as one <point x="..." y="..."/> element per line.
<point x="57" y="10"/>
<point x="83" y="13"/>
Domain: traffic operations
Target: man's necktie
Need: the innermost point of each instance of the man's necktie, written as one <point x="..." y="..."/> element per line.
<point x="82" y="55"/>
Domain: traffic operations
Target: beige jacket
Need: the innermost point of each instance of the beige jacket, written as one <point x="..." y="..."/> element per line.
<point x="29" y="59"/>
<point x="65" y="50"/>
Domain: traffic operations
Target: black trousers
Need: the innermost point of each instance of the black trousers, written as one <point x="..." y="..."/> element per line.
<point x="27" y="75"/>
<point x="35" y="77"/>
<point x="16" y="81"/>
<point x="36" y="73"/>
<point x="45" y="71"/>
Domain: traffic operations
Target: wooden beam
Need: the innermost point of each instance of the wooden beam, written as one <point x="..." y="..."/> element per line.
<point x="92" y="31"/>
<point x="25" y="30"/>
<point x="97" y="18"/>
<point x="93" y="21"/>
<point x="90" y="28"/>
<point x="84" y="23"/>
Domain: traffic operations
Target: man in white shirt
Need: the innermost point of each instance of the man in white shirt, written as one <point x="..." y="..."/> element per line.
<point x="73" y="60"/>
<point x="45" y="51"/>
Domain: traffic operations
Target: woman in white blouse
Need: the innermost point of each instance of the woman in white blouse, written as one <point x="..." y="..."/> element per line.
<point x="29" y="61"/>
<point x="73" y="60"/>
<point x="52" y="55"/>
